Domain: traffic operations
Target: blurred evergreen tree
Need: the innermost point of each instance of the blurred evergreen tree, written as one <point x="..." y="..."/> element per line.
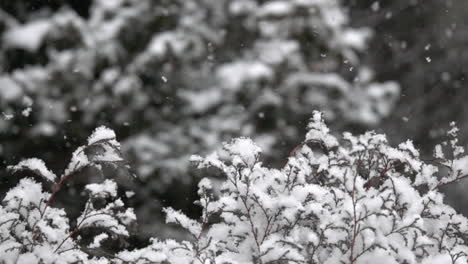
<point x="178" y="77"/>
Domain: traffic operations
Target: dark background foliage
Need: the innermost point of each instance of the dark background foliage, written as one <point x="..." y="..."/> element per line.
<point x="422" y="44"/>
<point x="408" y="34"/>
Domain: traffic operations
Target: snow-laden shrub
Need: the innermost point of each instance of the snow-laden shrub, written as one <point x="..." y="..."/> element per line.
<point x="33" y="231"/>
<point x="357" y="200"/>
<point x="350" y="200"/>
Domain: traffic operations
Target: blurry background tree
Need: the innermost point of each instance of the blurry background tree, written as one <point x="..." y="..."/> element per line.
<point x="178" y="77"/>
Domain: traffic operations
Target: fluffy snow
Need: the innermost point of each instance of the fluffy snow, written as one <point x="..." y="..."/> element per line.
<point x="356" y="38"/>
<point x="243" y="150"/>
<point x="318" y="131"/>
<point x="162" y="42"/>
<point x="460" y="165"/>
<point x="98" y="240"/>
<point x="278" y="51"/>
<point x="9" y="89"/>
<point x="37" y="166"/>
<point x="232" y="76"/>
<point x="439" y="259"/>
<point x="28" y="36"/>
<point x="26" y="112"/>
<point x="109" y="4"/>
<point x="111" y="217"/>
<point x="276" y="8"/>
<point x="26" y="192"/>
<point x="101" y="134"/>
<point x="173" y="216"/>
<point x="201" y="101"/>
<point x="103" y="190"/>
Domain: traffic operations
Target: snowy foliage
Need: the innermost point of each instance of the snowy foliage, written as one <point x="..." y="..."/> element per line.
<point x="33" y="231"/>
<point x="353" y="200"/>
<point x="362" y="201"/>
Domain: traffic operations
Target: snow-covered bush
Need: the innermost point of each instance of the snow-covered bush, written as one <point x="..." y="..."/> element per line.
<point x="32" y="230"/>
<point x="358" y="200"/>
<point x="349" y="200"/>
